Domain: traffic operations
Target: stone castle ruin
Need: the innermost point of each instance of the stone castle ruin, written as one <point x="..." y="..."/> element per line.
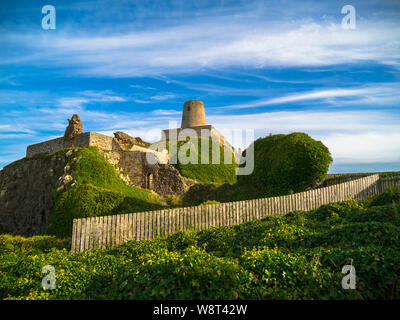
<point x="194" y="118"/>
<point x="129" y="155"/>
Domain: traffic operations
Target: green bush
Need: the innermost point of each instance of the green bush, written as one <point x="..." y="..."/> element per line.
<point x="282" y="164"/>
<point x="286" y="163"/>
<point x="174" y="201"/>
<point x="391" y="195"/>
<point x="296" y="256"/>
<point x="203" y="192"/>
<point x="205" y="203"/>
<point x="9" y="243"/>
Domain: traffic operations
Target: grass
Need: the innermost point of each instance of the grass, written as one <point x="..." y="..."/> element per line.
<point x="218" y="173"/>
<point x="296" y="256"/>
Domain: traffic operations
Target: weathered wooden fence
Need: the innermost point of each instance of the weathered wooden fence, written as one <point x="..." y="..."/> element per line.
<point x="389" y="182"/>
<point x="99" y="232"/>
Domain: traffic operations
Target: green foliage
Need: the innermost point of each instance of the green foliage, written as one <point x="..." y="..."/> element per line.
<point x="391" y="195"/>
<point x="98" y="191"/>
<point x="9" y="243"/>
<point x="286" y="163"/>
<point x="174" y="201"/>
<point x="218" y="173"/>
<point x="200" y="193"/>
<point x="296" y="256"/>
<point x="282" y="164"/>
<point x="205" y="203"/>
<point x="388" y="174"/>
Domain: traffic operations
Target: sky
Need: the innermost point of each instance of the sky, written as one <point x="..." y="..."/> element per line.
<point x="269" y="66"/>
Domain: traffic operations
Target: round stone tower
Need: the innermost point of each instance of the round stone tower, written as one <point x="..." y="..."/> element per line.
<point x="193" y="114"/>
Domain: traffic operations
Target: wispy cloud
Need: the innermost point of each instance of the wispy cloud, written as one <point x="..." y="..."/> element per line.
<point x="378" y="94"/>
<point x="155" y="98"/>
<point x="89" y="97"/>
<point x="351" y="136"/>
<point x="216" y="44"/>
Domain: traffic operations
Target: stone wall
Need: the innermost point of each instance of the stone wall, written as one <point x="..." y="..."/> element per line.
<point x="101" y="141"/>
<point x="134" y="169"/>
<point x="27" y="190"/>
<point x="130" y="162"/>
<point x="81" y="140"/>
<point x="49" y="146"/>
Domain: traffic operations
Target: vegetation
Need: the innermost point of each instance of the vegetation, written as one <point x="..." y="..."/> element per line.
<point x="98" y="191"/>
<point x="282" y="164"/>
<point x="197" y="168"/>
<point x="296" y="256"/>
<point x="286" y="163"/>
<point x="388" y="174"/>
<point x="202" y="192"/>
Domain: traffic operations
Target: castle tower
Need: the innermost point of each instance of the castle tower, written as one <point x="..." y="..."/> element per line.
<point x="193" y="114"/>
<point x="194" y="117"/>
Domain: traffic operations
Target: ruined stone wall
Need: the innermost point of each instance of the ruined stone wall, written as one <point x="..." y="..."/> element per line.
<point x="134" y="169"/>
<point x="85" y="139"/>
<point x="100" y="140"/>
<point x="131" y="164"/>
<point x="27" y="192"/>
<point x="49" y="146"/>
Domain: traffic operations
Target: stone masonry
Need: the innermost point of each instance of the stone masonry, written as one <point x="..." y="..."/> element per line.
<point x="127" y="154"/>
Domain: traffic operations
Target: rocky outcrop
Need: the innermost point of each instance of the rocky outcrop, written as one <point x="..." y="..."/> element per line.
<point x="73" y="129"/>
<point x="27" y="192"/>
<point x="126" y="139"/>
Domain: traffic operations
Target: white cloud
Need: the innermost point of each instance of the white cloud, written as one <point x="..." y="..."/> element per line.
<point x="85" y="97"/>
<point x="372" y="94"/>
<point x="366" y="147"/>
<point x="217" y="43"/>
<point x="314" y="95"/>
<point x="156" y="98"/>
<point x="351" y="136"/>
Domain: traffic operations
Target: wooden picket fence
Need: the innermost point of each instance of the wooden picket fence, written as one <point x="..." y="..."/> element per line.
<point x="388" y="182"/>
<point x="106" y="231"/>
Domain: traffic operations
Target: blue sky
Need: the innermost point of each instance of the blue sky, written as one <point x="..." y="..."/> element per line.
<point x="269" y="66"/>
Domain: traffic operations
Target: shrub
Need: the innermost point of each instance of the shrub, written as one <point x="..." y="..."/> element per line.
<point x="174" y="201"/>
<point x="296" y="256"/>
<point x="9" y="243"/>
<point x="391" y="195"/>
<point x="205" y="203"/>
<point x="286" y="163"/>
<point x="200" y="193"/>
<point x="282" y="164"/>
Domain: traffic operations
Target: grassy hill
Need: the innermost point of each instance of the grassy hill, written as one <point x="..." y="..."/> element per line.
<point x="98" y="191"/>
<point x="218" y="173"/>
<point x="296" y="256"/>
